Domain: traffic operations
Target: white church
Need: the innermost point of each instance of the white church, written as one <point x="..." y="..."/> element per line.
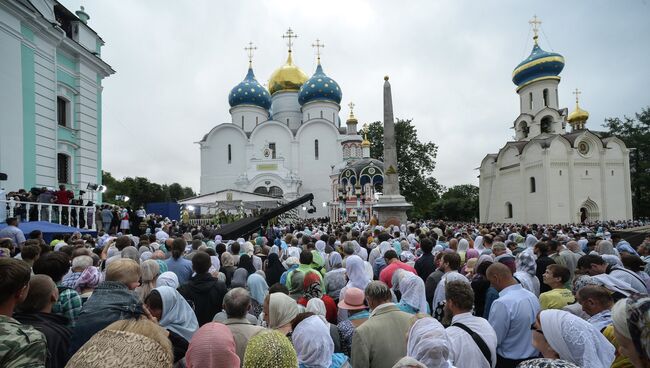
<point x="551" y="174"/>
<point x="288" y="140"/>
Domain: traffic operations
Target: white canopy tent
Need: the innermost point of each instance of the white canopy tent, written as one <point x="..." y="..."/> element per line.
<point x="232" y="199"/>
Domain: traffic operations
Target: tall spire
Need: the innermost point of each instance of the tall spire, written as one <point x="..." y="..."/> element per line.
<point x="318" y="45"/>
<point x="535" y="23"/>
<point x="391" y="182"/>
<point x="249" y="51"/>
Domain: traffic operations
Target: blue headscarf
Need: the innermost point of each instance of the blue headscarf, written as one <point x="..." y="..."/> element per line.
<point x="177" y="315"/>
<point x="258" y="287"/>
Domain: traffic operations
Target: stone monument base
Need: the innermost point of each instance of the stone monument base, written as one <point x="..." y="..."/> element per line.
<point x="391" y="210"/>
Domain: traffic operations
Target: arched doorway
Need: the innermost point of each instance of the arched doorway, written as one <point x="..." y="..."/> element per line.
<point x="589" y="211"/>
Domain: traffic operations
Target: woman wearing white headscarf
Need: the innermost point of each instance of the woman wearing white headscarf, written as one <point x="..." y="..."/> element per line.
<point x="378" y="252"/>
<point x="478" y="243"/>
<point x="414" y="298"/>
<point x="428" y="344"/>
<point x="531" y="240"/>
<point x="526" y="271"/>
<point x="320" y="248"/>
<point x="317" y="306"/>
<point x="335" y="278"/>
<point x="560" y="334"/>
<point x="168" y="279"/>
<point x="355" y="270"/>
<point x="463" y="246"/>
<point x="282" y="310"/>
<point x="314" y="346"/>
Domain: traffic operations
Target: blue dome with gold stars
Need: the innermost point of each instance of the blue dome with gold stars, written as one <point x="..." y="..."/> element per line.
<point x="538" y="65"/>
<point x="319" y="87"/>
<point x="250" y="92"/>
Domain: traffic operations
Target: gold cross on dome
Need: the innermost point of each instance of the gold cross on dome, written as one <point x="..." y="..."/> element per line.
<point x="318" y="45"/>
<point x="577" y="93"/>
<point x="535" y="23"/>
<point x="351" y="106"/>
<point x="289" y="34"/>
<point x="249" y="51"/>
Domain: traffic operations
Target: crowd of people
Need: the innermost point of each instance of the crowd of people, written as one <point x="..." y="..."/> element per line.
<point x="318" y="294"/>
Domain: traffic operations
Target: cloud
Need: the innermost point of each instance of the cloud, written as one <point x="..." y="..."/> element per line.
<point x="450" y="64"/>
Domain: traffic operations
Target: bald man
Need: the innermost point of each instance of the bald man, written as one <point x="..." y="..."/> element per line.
<point x="511" y="316"/>
<point x="36" y="311"/>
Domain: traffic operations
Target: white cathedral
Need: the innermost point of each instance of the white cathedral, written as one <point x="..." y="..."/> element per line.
<point x="549" y="175"/>
<point x="288" y="141"/>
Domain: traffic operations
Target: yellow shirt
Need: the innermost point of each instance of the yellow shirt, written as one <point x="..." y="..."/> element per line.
<point x="556" y="299"/>
<point x="620" y="361"/>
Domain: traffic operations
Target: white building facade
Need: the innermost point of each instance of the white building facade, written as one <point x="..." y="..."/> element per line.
<point x="549" y="175"/>
<point x="284" y="141"/>
<point x="51" y="72"/>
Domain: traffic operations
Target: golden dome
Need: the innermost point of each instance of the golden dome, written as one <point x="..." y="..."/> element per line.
<point x="578" y="115"/>
<point x="365" y="143"/>
<point x="288" y="77"/>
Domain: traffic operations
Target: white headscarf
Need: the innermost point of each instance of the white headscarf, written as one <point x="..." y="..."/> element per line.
<point x="167" y="279"/>
<point x="576" y="340"/>
<point x="531" y="240"/>
<point x="428" y="343"/>
<point x="317" y="306"/>
<point x="313" y="343"/>
<point x="413" y="293"/>
<point x="355" y="270"/>
<point x="478" y="243"/>
<point x="463" y="245"/>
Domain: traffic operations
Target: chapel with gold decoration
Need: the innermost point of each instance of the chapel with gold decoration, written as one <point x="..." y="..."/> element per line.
<point x="286" y="139"/>
<point x="556" y="170"/>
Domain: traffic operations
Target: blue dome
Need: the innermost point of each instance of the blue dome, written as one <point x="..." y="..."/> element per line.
<point x="249" y="92"/>
<point x="319" y="87"/>
<point x="539" y="64"/>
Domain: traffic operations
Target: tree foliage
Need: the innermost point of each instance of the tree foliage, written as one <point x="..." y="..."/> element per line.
<point x="141" y="191"/>
<point x="416" y="161"/>
<point x="458" y="203"/>
<point x="635" y="132"/>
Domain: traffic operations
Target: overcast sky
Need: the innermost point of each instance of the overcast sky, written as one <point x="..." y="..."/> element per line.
<point x="450" y="65"/>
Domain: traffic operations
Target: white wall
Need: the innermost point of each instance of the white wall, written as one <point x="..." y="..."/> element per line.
<point x="248" y="117"/>
<point x="286" y="109"/>
<point x="312" y="171"/>
<point x="216" y="172"/>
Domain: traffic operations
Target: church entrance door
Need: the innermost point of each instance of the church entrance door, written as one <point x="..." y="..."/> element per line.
<point x="583" y="215"/>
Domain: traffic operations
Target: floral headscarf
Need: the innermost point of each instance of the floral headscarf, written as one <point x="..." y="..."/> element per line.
<point x="312" y="287"/>
<point x="270" y="349"/>
<point x="89" y="279"/>
<point x="631" y="317"/>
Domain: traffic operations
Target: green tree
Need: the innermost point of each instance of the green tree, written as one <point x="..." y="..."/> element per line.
<point x="635" y="132"/>
<point x="416" y="161"/>
<point x="458" y="203"/>
<point x="141" y="191"/>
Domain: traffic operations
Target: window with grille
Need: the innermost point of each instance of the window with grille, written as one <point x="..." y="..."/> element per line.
<point x="63" y="168"/>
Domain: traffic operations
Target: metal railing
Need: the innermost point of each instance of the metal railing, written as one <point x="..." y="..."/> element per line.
<point x="62" y="214"/>
<point x="200" y="222"/>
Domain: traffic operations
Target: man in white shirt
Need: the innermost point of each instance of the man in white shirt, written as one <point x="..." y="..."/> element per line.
<point x="464" y="345"/>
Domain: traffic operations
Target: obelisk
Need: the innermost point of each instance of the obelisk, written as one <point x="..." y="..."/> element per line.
<point x="391" y="206"/>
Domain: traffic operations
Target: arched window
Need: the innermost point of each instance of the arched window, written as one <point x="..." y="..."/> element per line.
<point x="321" y="114"/>
<point x="242" y="121"/>
<point x="276" y="191"/>
<point x="560" y="172"/>
<point x="546" y="124"/>
<point x="530" y="100"/>
<point x="557" y="101"/>
<point x="261" y="190"/>
<point x="524" y="129"/>
<point x="316" y="149"/>
<point x="545" y="95"/>
<point x="229" y="153"/>
<point x="63" y="168"/>
<point x="257" y="120"/>
<point x="308" y="116"/>
<point x="287" y="121"/>
<point x="508" y="210"/>
<point x="532" y="185"/>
